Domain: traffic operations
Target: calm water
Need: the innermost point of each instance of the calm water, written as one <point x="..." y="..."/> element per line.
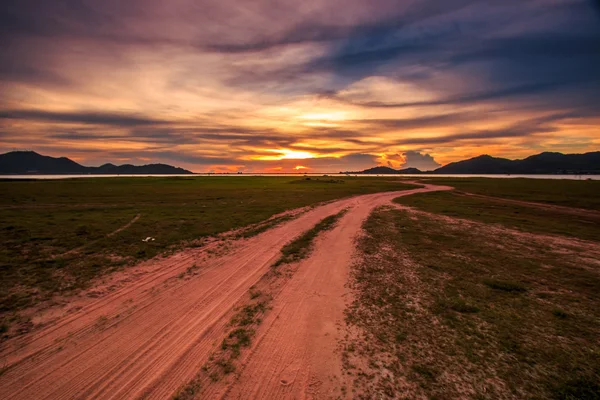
<point x="572" y="177"/>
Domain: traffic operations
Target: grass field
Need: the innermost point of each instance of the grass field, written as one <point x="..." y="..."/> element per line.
<point x="464" y="310"/>
<point x="583" y="225"/>
<point x="570" y="193"/>
<point x="55" y="236"/>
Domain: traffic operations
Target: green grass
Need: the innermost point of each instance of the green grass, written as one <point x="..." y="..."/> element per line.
<point x="300" y="247"/>
<point x="562" y="192"/>
<point x="499" y="316"/>
<point x="529" y="219"/>
<point x="42" y="220"/>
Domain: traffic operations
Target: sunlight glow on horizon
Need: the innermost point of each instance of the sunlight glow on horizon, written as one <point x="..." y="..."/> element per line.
<point x="285" y="154"/>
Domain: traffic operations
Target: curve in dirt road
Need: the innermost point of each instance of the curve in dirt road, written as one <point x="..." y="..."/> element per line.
<point x="152" y="335"/>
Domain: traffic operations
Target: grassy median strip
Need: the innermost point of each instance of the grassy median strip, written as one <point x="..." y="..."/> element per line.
<point x="242" y="328"/>
<point x="458" y="310"/>
<point x="299" y="248"/>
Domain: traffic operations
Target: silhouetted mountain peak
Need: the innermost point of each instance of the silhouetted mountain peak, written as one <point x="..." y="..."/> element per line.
<point x="30" y="162"/>
<point x="543" y="163"/>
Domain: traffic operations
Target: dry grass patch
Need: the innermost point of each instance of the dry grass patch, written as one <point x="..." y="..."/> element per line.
<point x="451" y="310"/>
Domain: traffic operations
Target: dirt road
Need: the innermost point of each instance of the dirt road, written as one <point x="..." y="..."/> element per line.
<point x="154" y="333"/>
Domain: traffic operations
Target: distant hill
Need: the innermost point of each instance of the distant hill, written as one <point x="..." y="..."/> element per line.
<point x="386" y="170"/>
<point x="30" y="162"/>
<point x="544" y="163"/>
<point x="478" y="165"/>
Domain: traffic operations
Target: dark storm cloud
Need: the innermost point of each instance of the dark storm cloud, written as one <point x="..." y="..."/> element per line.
<point x="92" y="118"/>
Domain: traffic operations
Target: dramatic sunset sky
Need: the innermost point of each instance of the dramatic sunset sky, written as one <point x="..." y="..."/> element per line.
<point x="311" y="85"/>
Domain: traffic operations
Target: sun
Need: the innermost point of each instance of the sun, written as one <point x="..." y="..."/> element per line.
<point x="295" y="155"/>
<point x="299" y="167"/>
<point x="283" y="154"/>
<point x="324" y="116"/>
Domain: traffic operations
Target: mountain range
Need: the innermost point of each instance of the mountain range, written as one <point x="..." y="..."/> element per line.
<point x="30" y="162"/>
<point x="543" y="163"/>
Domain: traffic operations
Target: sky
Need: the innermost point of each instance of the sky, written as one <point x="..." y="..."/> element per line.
<point x="298" y="86"/>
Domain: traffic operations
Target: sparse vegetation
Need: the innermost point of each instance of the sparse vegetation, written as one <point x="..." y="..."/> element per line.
<point x="461" y="306"/>
<point x="254" y="293"/>
<point x="561" y="192"/>
<point x="189" y="391"/>
<point x="243" y="325"/>
<point x="300" y="247"/>
<point x="440" y="317"/>
<point x="189" y="271"/>
<point x="529" y="219"/>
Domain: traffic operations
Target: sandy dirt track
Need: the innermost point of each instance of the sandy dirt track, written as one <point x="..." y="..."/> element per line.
<point x="150" y="336"/>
